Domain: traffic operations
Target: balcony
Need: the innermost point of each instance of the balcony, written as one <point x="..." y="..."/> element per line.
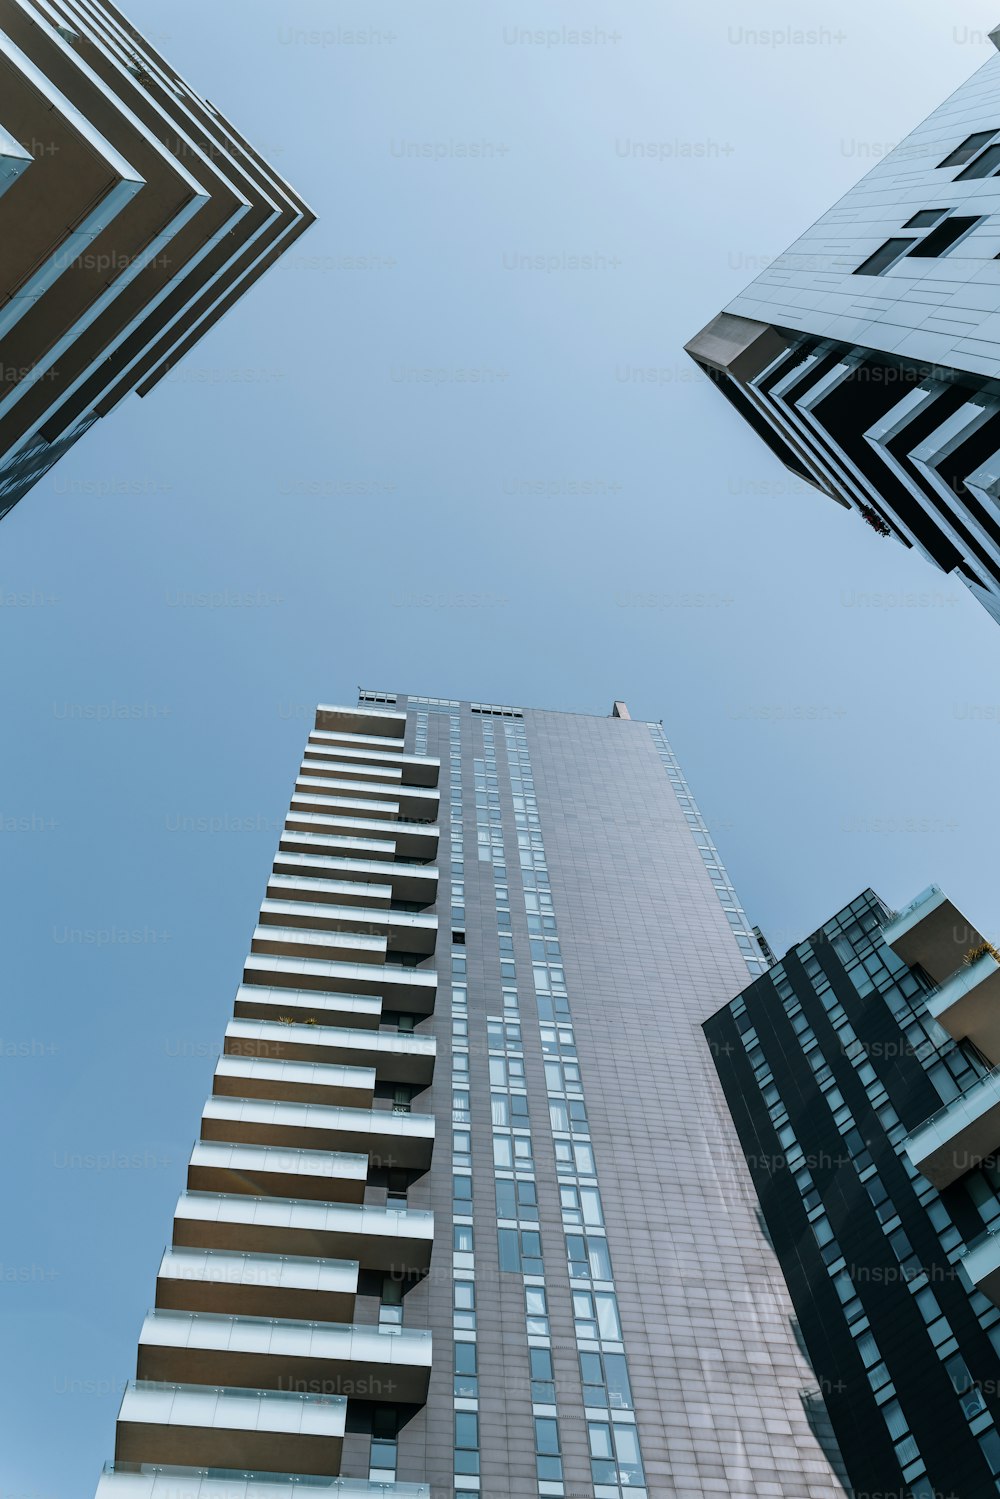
<point x="355" y="766"/>
<point x="358" y="741"/>
<point x="933" y="933"/>
<point x="324" y="784"/>
<point x="408" y="840"/>
<point x="388" y="722"/>
<point x="361" y="1011"/>
<point x="332" y="845"/>
<point x="379" y="1135"/>
<point x="397" y="1057"/>
<point x="968" y="1004"/>
<point x="415" y="770"/>
<point x="273" y="1431"/>
<point x="410" y="989"/>
<point x="291" y="888"/>
<point x="960" y="1135"/>
<point x="119" y="1481"/>
<point x="296" y="1082"/>
<point x="409" y="882"/>
<point x="351" y="947"/>
<point x="327" y="1358"/>
<point x="377" y="1238"/>
<point x="404" y="931"/>
<point x="257" y="1285"/>
<point x="344" y="805"/>
<point x="268" y="1171"/>
<point x="981" y="1264"/>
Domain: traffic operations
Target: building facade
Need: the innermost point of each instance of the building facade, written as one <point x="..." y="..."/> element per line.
<point x="132" y="217"/>
<point x="859" y="1071"/>
<point x="467" y="1216"/>
<point x="867" y="355"/>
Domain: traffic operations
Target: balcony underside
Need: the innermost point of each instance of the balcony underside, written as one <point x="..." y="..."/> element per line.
<point x="377" y="1238"/>
<point x="968" y="1005"/>
<point x="257" y="1285"/>
<point x="272" y="1432"/>
<point x="410" y="989"/>
<point x="268" y="1171"/>
<point x="315" y="1358"/>
<point x="385" y="1138"/>
<point x="295" y="1082"/>
<point x="397" y="1057"/>
<point x="932" y="933"/>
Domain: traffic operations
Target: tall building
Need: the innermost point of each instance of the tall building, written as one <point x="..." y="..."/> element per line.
<point x="866" y="356"/>
<point x="860" y="1074"/>
<point x="467" y="1216"/>
<point x="132" y="217"/>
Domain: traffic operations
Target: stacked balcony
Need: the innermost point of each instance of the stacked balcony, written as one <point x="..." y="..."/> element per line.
<point x="932" y="934"/>
<point x="250" y="1357"/>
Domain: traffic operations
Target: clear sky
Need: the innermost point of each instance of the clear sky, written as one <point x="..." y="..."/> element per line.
<point x="301" y="508"/>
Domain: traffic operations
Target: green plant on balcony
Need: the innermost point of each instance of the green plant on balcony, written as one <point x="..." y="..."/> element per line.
<point x="975" y="953"/>
<point x="874" y="520"/>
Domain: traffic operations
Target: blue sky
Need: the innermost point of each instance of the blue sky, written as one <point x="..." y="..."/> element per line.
<point x="301" y="508"/>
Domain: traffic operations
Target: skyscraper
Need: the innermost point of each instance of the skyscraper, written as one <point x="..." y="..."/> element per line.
<point x="860" y="1074"/>
<point x="132" y="217"/>
<point x="866" y="355"/>
<point x="467" y="1216"/>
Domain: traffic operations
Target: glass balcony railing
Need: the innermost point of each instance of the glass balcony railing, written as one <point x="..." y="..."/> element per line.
<point x="982" y="1239"/>
<point x="963" y="1098"/>
<point x="416" y="1336"/>
<point x="238" y="1394"/>
<point x="346" y="1488"/>
<point x="931" y="893"/>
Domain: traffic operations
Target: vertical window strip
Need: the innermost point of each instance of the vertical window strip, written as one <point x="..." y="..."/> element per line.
<point x="616" y="1459"/>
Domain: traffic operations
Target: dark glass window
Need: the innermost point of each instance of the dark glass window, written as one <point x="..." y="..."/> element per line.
<point x="887" y="255"/>
<point x="983" y="166"/>
<point x="968" y="149"/>
<point x="939" y="242"/>
<point x="922" y="220"/>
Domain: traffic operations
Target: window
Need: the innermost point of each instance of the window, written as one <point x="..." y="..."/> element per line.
<point x="464" y="1315"/>
<point x="596" y="1315"/>
<point x="462" y="1196"/>
<point x="589" y="1258"/>
<point x="547" y="1459"/>
<point x="503" y="1152"/>
<point x="466" y="1371"/>
<point x="517" y="1200"/>
<point x="543" y="1390"/>
<point x="462" y="1241"/>
<point x="983" y="166"/>
<point x="603" y="1467"/>
<point x="466" y="1442"/>
<point x="581" y="1205"/>
<point x="390" y="1312"/>
<point x="576" y="1159"/>
<point x="536" y="1310"/>
<point x="968" y="149"/>
<point x="382" y="1462"/>
<point x="922" y="220"/>
<point x="942" y="239"/>
<point x="886" y="256"/>
<point x="605" y="1380"/>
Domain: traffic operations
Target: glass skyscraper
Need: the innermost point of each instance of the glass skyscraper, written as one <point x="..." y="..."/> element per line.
<point x="866" y="356"/>
<point x="860" y="1073"/>
<point x="467" y="1216"/>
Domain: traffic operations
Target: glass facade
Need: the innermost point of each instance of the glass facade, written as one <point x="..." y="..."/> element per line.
<point x="831" y="1062"/>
